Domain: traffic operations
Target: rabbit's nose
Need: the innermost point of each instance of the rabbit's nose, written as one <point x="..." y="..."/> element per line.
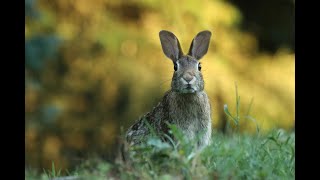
<point x="188" y="78"/>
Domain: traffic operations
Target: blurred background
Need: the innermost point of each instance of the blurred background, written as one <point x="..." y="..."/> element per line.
<point x="94" y="67"/>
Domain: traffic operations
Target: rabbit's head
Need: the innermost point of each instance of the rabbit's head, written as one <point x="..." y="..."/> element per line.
<point x="187" y="77"/>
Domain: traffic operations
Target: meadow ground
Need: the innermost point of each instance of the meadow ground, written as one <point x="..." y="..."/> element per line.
<point x="229" y="156"/>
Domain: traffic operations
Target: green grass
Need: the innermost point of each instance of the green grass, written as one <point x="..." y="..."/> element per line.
<point x="229" y="156"/>
<point x="236" y="156"/>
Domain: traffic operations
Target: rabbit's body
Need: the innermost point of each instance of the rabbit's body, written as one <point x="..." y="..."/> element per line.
<point x="186" y="105"/>
<point x="189" y="112"/>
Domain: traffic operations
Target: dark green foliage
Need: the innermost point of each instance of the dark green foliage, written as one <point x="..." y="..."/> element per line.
<point x="29" y="8"/>
<point x="39" y="49"/>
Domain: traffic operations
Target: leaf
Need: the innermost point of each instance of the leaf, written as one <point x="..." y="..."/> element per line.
<point x="191" y="155"/>
<point x="226" y="110"/>
<point x="177" y="133"/>
<point x="53" y="171"/>
<point x="255" y="121"/>
<point x="250" y="105"/>
<point x="158" y="143"/>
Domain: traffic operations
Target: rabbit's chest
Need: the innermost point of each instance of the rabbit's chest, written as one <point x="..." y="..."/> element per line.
<point x="192" y="115"/>
<point x="192" y="119"/>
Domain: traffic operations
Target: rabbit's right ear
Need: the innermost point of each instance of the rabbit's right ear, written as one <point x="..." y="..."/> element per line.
<point x="170" y="45"/>
<point x="200" y="44"/>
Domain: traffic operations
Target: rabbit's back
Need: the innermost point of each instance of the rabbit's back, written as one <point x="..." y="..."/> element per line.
<point x="155" y="120"/>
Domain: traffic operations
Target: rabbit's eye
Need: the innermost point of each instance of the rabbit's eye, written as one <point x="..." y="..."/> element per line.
<point x="199" y="67"/>
<point x="175" y="67"/>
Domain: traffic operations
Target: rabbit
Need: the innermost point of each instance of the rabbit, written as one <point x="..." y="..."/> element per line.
<point x="186" y="104"/>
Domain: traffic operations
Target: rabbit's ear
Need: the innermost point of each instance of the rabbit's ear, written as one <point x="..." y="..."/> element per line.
<point x="170" y="45"/>
<point x="200" y="44"/>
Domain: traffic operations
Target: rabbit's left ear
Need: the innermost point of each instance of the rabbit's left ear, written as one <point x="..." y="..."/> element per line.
<point x="200" y="44"/>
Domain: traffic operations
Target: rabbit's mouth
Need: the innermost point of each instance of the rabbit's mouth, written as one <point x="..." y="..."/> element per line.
<point x="188" y="89"/>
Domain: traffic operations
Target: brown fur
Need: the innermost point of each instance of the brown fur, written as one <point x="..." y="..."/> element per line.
<point x="189" y="112"/>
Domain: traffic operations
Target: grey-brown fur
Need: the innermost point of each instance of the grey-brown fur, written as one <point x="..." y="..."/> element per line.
<point x="186" y="105"/>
